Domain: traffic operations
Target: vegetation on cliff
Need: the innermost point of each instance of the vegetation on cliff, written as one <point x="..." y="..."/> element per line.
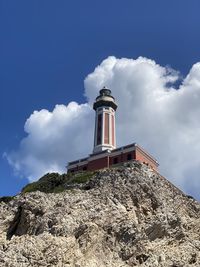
<point x="56" y="183"/>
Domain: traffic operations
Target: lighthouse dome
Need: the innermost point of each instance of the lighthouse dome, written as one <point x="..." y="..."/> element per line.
<point x="105" y="99"/>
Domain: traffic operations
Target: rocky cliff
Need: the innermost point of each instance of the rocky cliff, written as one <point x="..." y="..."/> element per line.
<point x="125" y="216"/>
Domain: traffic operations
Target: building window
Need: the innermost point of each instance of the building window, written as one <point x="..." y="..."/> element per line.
<point x="129" y="157"/>
<point x="85" y="168"/>
<point x="115" y="160"/>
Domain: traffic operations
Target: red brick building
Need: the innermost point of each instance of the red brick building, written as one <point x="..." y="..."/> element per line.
<point x="105" y="154"/>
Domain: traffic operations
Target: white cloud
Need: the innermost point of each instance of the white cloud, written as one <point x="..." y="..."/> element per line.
<point x="163" y="119"/>
<point x="53" y="138"/>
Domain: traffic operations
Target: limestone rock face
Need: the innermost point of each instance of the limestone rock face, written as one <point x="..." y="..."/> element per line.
<point x="126" y="216"/>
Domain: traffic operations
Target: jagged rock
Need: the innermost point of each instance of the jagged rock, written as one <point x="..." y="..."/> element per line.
<point x="125" y="216"/>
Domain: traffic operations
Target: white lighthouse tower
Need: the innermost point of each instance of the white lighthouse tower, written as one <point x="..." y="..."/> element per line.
<point x="105" y="107"/>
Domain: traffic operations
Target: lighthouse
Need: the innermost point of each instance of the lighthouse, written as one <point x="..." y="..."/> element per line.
<point x="104" y="134"/>
<point x="105" y="154"/>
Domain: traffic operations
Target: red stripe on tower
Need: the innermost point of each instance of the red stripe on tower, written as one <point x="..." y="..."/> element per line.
<point x="113" y="130"/>
<point x="99" y="129"/>
<point x="106" y="129"/>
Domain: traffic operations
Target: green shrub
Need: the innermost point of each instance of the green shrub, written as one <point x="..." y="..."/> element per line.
<point x="58" y="189"/>
<point x="30" y="187"/>
<point x="80" y="178"/>
<point x="47" y="183"/>
<point x="56" y="183"/>
<point x="6" y="199"/>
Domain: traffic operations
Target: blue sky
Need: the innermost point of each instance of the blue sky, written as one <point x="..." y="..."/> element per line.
<point x="48" y="48"/>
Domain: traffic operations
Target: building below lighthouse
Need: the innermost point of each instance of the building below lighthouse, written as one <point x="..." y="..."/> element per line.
<point x="105" y="154"/>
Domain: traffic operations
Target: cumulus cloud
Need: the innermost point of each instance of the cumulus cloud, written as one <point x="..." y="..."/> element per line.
<point x="152" y="112"/>
<point x="53" y="139"/>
